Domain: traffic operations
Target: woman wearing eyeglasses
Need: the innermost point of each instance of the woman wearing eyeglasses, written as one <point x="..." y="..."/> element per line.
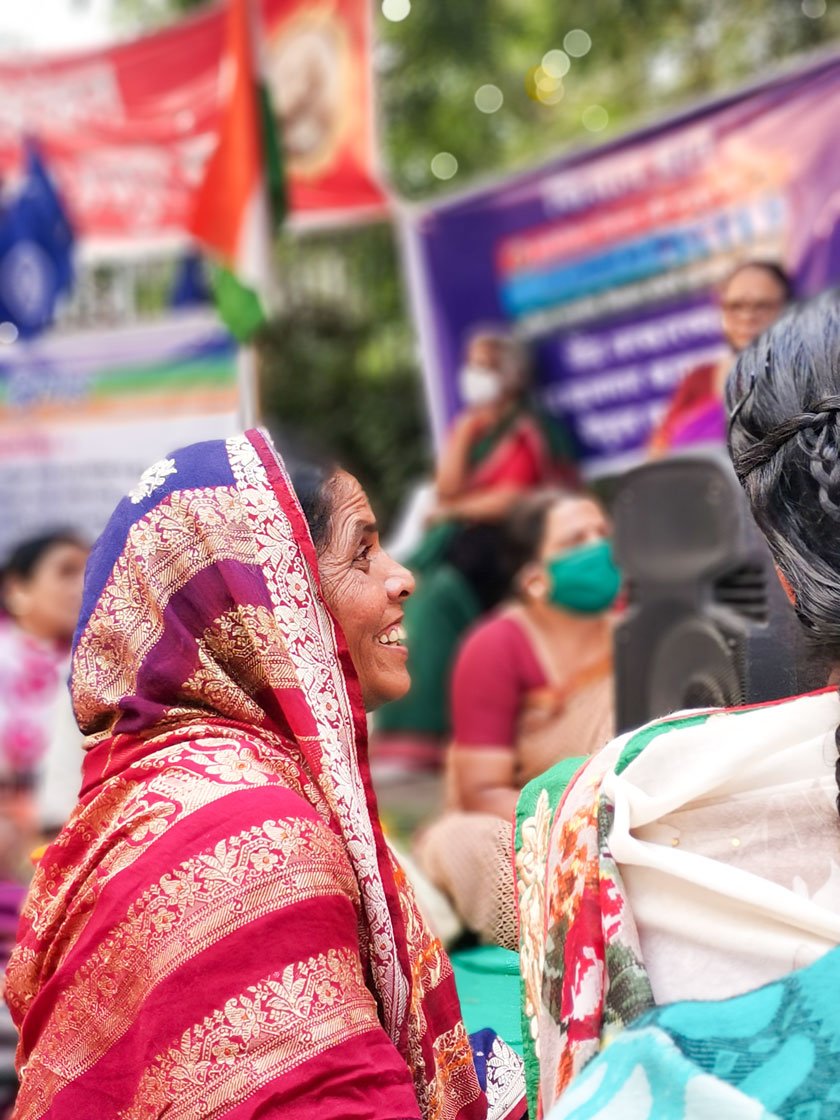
<point x="751" y="300"/>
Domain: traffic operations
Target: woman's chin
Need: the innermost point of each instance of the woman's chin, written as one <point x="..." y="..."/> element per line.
<point x="385" y="692"/>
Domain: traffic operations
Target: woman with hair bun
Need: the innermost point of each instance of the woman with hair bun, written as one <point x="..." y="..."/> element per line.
<point x="683" y="901"/>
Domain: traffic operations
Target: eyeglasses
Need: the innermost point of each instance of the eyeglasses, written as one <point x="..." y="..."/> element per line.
<point x="750" y="307"/>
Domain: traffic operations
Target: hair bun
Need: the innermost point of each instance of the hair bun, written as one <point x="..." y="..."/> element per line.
<point x="821" y="442"/>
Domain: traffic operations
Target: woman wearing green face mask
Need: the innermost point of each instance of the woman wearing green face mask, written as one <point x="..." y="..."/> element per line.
<point x="532" y="685"/>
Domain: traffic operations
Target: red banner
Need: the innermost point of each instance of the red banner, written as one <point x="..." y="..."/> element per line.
<point x="127" y="131"/>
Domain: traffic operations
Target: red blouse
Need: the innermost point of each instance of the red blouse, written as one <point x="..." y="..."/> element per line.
<point x="495" y="667"/>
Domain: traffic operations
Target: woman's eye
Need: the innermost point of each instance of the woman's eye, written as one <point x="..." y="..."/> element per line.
<point x="362" y="557"/>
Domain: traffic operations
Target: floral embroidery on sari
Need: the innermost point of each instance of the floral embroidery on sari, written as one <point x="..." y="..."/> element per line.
<point x="254" y="1038"/>
<point x="151" y="479"/>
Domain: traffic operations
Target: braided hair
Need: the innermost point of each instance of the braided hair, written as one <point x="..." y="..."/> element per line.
<point x="783" y="399"/>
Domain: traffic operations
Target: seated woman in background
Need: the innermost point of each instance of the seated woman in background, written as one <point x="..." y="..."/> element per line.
<point x="692" y="865"/>
<point x="532" y="685"/>
<point x="498" y="447"/>
<point x="752" y="298"/>
<point x="220" y="930"/>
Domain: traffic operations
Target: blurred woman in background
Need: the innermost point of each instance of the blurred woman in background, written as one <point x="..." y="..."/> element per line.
<point x="41" y="595"/>
<point x="498" y="448"/>
<point x="532" y="685"/>
<point x="752" y="298"/>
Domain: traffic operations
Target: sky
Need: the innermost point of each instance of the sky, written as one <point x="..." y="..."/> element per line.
<point x="53" y="25"/>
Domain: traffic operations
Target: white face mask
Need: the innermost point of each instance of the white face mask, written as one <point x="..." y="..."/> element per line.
<point x="479" y="386"/>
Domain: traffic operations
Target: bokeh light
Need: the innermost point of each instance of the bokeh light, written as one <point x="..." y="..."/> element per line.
<point x="577" y="43"/>
<point x="595" y="118"/>
<point x="551" y="96"/>
<point x="543" y="87"/>
<point x="814" y="9"/>
<point x="545" y="82"/>
<point x="489" y="98"/>
<point x="396" y="10"/>
<point x="8" y="334"/>
<point x="556" y="63"/>
<point x="444" y="165"/>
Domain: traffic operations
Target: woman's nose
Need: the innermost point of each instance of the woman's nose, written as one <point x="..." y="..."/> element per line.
<point x="399" y="582"/>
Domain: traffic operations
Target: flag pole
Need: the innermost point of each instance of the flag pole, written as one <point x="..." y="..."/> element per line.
<point x="248" y="384"/>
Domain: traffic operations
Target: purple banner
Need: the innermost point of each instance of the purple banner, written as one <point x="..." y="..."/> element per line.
<point x="605" y="262"/>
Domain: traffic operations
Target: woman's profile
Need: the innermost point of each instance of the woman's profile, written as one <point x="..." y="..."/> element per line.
<point x="220" y="929"/>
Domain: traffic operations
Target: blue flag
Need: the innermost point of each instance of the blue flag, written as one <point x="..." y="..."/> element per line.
<point x="36" y="251"/>
<point x="191" y="288"/>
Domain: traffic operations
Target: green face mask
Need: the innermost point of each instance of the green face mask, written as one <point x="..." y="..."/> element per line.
<point x="584" y="580"/>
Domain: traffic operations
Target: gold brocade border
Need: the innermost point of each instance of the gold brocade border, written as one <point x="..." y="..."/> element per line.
<point x="128" y="619"/>
<point x="451" y="1083"/>
<point x="140" y="810"/>
<point x="312" y="645"/>
<point x="200" y="903"/>
<point x="286" y="1019"/>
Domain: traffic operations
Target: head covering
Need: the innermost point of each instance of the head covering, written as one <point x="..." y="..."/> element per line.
<point x="222" y="711"/>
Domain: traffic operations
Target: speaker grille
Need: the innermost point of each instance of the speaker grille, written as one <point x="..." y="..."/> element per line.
<point x="744" y="591"/>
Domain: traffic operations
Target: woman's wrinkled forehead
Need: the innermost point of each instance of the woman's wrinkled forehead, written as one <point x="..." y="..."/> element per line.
<point x="350" y="510"/>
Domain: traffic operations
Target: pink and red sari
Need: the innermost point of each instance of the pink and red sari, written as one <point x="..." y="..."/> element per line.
<point x="220" y="929"/>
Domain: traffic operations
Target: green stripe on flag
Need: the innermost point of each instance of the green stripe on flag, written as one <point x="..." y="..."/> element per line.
<point x="239" y="307"/>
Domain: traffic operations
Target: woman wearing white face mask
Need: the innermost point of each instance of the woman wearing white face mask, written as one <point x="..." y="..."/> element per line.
<point x="497" y="448"/>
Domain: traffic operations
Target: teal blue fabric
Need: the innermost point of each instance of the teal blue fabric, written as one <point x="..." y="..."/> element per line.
<point x="774" y="1052"/>
<point x="487" y="979"/>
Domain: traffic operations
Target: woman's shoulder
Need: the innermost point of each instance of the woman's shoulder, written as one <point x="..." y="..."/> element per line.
<point x="497" y="641"/>
<point x="791" y="718"/>
<point x="497" y="630"/>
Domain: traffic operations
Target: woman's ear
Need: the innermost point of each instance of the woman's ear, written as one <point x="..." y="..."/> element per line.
<point x="15" y="598"/>
<point x="532" y="582"/>
<point x="786" y="587"/>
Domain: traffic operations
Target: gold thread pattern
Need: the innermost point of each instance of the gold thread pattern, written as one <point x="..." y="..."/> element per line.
<point x="199" y="903"/>
<point x="275" y="1025"/>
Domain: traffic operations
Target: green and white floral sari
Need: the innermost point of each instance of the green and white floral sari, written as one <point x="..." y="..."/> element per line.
<point x="667" y="893"/>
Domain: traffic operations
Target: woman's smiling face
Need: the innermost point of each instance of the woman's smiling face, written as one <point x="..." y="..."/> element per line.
<point x="365" y="590"/>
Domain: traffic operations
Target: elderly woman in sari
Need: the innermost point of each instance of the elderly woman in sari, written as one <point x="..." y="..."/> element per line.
<point x="683" y="902"/>
<point x="220" y="929"/>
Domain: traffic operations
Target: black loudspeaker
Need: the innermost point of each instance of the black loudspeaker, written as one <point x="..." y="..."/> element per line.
<point x="707" y="622"/>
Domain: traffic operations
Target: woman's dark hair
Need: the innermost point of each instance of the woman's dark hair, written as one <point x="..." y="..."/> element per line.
<point x="525" y="530"/>
<point x="27" y="555"/>
<point x="477" y="551"/>
<point x="22" y="562"/>
<point x="313" y="483"/>
<point x="783" y="399"/>
<point x="774" y="269"/>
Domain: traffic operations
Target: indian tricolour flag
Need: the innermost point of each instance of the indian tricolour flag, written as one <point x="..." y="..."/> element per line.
<point x="240" y="200"/>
